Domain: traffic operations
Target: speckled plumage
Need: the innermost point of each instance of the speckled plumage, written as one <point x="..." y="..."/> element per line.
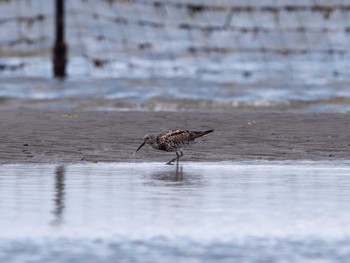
<point x="173" y="141"/>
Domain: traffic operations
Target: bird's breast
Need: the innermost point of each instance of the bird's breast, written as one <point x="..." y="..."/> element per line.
<point x="171" y="146"/>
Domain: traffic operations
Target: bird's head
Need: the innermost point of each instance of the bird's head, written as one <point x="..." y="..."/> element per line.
<point x="149" y="139"/>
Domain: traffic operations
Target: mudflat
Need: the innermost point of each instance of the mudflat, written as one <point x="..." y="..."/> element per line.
<point x="39" y="136"/>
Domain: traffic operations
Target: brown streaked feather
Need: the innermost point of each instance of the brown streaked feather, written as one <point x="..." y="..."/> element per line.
<point x="173" y="141"/>
<point x="177" y="137"/>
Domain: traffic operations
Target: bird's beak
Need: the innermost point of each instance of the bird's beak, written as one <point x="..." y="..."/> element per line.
<point x="140" y="146"/>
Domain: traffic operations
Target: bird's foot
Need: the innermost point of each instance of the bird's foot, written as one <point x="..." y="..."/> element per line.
<point x="171" y="161"/>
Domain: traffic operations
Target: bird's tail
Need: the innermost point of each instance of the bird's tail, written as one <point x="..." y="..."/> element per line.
<point x="205" y="133"/>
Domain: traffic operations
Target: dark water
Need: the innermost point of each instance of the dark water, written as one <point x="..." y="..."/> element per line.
<point x="210" y="212"/>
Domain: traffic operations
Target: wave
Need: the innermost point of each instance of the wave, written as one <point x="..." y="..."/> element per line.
<point x="179" y="104"/>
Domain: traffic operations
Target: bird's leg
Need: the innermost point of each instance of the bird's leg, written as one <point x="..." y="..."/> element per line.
<point x="171" y="161"/>
<point x="177" y="158"/>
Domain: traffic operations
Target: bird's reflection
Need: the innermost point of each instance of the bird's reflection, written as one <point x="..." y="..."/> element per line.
<point x="172" y="176"/>
<point x="176" y="176"/>
<point x="59" y="194"/>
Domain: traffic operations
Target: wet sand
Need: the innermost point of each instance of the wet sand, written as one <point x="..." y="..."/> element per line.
<point x="36" y="136"/>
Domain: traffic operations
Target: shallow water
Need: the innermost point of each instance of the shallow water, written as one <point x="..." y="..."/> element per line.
<point x="170" y="94"/>
<point x="146" y="212"/>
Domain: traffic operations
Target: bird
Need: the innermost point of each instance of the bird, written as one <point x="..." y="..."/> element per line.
<point x="173" y="141"/>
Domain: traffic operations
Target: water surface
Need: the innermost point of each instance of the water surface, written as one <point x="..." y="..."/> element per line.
<point x="178" y="55"/>
<point x="197" y="212"/>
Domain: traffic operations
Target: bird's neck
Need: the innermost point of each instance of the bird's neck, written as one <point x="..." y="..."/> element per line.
<point x="152" y="141"/>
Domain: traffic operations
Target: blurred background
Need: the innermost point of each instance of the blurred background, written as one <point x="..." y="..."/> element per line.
<point x="201" y="55"/>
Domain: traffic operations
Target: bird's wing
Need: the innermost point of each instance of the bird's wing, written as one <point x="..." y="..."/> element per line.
<point x="178" y="136"/>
